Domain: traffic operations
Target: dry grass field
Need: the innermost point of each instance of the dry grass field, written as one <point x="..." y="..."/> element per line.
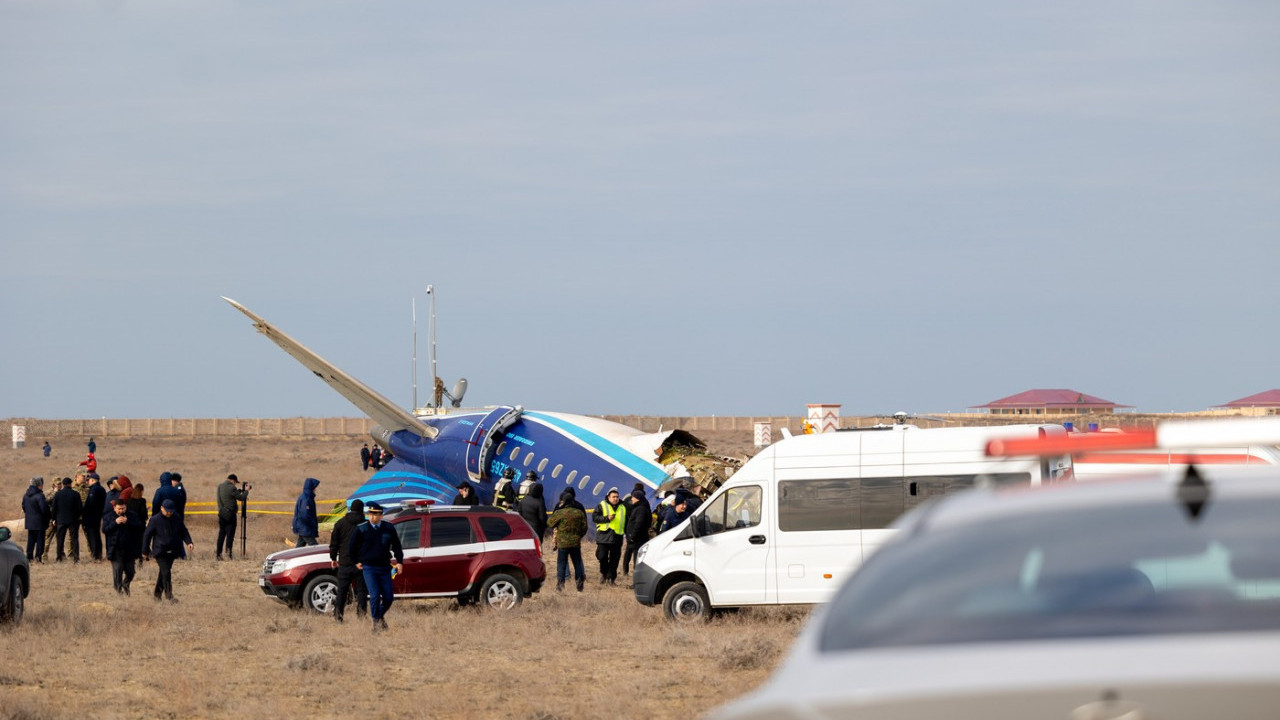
<point x="227" y="650"/>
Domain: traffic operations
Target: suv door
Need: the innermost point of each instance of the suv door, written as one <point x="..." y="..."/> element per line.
<point x="410" y="534"/>
<point x="452" y="545"/>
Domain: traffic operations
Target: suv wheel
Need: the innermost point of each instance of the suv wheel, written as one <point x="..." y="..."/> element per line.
<point x="501" y="592"/>
<point x="11" y="609"/>
<point x="686" y="602"/>
<point x="319" y="593"/>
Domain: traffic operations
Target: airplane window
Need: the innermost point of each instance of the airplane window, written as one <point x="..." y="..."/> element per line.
<point x="528" y="458"/>
<point x="555" y="472"/>
<point x="585" y="479"/>
<point x="599" y="486"/>
<point x="542" y="466"/>
<point x="569" y="480"/>
<point x="502" y="447"/>
<point x="515" y="453"/>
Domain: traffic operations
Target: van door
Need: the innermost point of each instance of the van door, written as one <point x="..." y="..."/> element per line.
<point x="733" y="548"/>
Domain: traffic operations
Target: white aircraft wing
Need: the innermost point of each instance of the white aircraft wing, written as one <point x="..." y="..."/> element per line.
<point x="383" y="411"/>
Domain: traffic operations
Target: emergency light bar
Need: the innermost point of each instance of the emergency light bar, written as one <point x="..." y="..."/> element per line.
<point x="1169" y="435"/>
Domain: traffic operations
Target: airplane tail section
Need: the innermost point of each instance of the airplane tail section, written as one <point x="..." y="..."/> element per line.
<point x="383" y="411"/>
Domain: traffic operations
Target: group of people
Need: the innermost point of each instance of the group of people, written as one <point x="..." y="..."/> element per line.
<point x="117" y="523"/>
<point x="374" y="458"/>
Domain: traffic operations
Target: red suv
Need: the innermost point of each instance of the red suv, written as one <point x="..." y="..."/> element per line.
<point x="471" y="553"/>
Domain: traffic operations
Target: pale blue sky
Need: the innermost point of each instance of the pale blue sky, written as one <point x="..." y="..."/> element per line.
<point x="654" y="208"/>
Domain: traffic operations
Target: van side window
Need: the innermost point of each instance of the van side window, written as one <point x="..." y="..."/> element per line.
<point x="735" y="508"/>
<point x="819" y="505"/>
<point x="882" y="501"/>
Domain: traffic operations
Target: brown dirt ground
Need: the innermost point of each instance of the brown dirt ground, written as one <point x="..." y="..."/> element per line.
<point x="227" y="650"/>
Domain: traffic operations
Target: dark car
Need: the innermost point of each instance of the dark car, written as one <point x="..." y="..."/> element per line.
<point x="15" y="579"/>
<point x="474" y="554"/>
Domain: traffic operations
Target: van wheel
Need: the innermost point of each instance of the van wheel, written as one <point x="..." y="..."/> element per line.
<point x="501" y="592"/>
<point x="11" y="608"/>
<point x="320" y="593"/>
<point x="686" y="602"/>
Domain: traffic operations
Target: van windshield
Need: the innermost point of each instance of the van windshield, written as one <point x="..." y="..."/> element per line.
<point x="1138" y="569"/>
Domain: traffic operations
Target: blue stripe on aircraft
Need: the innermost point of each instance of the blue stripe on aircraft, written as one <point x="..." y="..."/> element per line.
<point x="647" y="471"/>
<point x="403" y="479"/>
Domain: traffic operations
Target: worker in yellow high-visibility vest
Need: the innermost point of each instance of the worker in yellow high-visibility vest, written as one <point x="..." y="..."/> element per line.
<point x="611" y="522"/>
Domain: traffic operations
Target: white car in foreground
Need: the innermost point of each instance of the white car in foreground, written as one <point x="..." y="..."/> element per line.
<point x="1139" y="599"/>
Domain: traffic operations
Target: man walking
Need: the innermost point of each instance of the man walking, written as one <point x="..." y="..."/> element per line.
<point x="611" y="523"/>
<point x="95" y="502"/>
<point x="306" y="525"/>
<point x="67" y="510"/>
<point x="123" y="532"/>
<point x="35" y="515"/>
<point x="340" y="556"/>
<point x="373" y="545"/>
<point x="229" y="497"/>
<point x="166" y="535"/>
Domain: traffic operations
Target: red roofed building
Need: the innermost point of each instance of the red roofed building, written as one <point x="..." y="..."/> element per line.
<point x="1268" y="402"/>
<point x="1050" y="402"/>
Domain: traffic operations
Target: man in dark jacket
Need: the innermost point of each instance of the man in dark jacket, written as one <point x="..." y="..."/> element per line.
<point x="166" y="535"/>
<point x="466" y="495"/>
<point x="67" y="509"/>
<point x="166" y="491"/>
<point x="639" y="519"/>
<point x="372" y="546"/>
<point x="306" y="525"/>
<point x="340" y="556"/>
<point x="230" y="495"/>
<point x="35" y="513"/>
<point x="610" y="517"/>
<point x="123" y="532"/>
<point x="95" y="502"/>
<point x="504" y="491"/>
<point x="534" y="510"/>
<point x="364" y="456"/>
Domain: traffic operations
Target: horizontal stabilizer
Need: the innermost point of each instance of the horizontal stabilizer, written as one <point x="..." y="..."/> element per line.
<point x="383" y="411"/>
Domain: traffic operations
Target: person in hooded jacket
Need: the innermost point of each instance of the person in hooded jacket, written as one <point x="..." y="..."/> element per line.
<point x="636" y="533"/>
<point x="534" y="510"/>
<point x="345" y="564"/>
<point x="570" y="523"/>
<point x="306" y="525"/>
<point x="136" y="497"/>
<point x="123" y="532"/>
<point x="35" y="515"/>
<point x="466" y="495"/>
<point x="166" y="491"/>
<point x="67" y="509"/>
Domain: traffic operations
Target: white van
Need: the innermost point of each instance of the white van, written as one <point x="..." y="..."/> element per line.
<point x="794" y="522"/>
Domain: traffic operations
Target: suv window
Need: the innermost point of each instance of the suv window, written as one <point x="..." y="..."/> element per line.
<point x="410" y="532"/>
<point x="495" y="528"/>
<point x="450" y="531"/>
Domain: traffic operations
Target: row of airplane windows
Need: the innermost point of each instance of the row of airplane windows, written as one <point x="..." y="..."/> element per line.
<point x="555" y="472"/>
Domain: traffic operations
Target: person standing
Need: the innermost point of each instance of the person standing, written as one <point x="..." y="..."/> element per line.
<point x="123" y="532"/>
<point x="340" y="557"/>
<point x="534" y="510"/>
<point x="93" y="446"/>
<point x="373" y="546"/>
<point x="611" y="522"/>
<point x="95" y="504"/>
<point x="165" y="536"/>
<point x="639" y="519"/>
<point x="229" y="498"/>
<point x="504" y="495"/>
<point x="375" y="457"/>
<point x="570" y="523"/>
<point x="35" y="516"/>
<point x="166" y="491"/>
<point x="67" y="509"/>
<point x="90" y="463"/>
<point x="364" y="457"/>
<point x="136" y="497"/>
<point x="306" y="525"/>
<point x="47" y="448"/>
<point x="466" y="495"/>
